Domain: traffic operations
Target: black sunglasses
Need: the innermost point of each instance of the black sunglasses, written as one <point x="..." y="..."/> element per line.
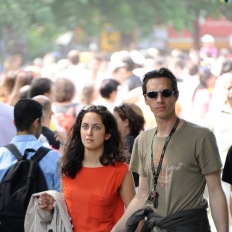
<point x="164" y="93"/>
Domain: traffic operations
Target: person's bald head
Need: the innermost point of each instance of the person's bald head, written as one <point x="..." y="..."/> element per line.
<point x="46" y="104"/>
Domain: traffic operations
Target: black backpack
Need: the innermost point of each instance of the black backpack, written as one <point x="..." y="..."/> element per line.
<point x="18" y="184"/>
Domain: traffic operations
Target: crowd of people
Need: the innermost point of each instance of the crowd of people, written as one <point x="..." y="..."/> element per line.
<point x="136" y="135"/>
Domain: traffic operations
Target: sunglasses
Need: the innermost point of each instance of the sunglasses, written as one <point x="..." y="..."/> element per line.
<point x="95" y="107"/>
<point x="122" y="107"/>
<point x="164" y="93"/>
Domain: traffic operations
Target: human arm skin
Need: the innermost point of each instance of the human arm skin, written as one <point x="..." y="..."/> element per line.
<point x="217" y="201"/>
<point x="127" y="188"/>
<point x="138" y="202"/>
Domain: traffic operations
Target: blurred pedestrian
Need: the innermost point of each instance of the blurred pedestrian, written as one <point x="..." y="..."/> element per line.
<point x="48" y="134"/>
<point x="202" y="96"/>
<point x="220" y="124"/>
<point x="108" y="93"/>
<point x="64" y="109"/>
<point x="130" y="123"/>
<point x="42" y="86"/>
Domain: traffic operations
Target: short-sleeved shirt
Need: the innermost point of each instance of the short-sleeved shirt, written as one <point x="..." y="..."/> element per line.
<point x="191" y="153"/>
<point x="49" y="164"/>
<point x="93" y="199"/>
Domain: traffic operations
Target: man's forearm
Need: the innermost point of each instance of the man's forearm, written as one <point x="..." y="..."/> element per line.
<point x="138" y="202"/>
<point x="219" y="211"/>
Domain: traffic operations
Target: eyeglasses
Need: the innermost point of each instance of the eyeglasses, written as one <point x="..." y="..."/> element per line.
<point x="122" y="107"/>
<point x="123" y="111"/>
<point x="95" y="107"/>
<point x="164" y="93"/>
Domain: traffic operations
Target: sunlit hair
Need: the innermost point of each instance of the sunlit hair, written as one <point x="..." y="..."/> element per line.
<point x="71" y="162"/>
<point x="133" y="114"/>
<point x="161" y="73"/>
<point x="65" y="90"/>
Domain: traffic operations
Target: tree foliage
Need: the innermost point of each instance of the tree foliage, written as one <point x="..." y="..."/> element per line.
<point x="32" y="25"/>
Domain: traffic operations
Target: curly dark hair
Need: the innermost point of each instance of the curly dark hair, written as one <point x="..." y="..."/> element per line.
<point x="114" y="147"/>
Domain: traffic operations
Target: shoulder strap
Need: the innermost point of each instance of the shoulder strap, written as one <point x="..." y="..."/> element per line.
<point x="40" y="153"/>
<point x="13" y="149"/>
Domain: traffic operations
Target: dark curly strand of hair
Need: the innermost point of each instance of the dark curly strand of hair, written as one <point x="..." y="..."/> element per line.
<point x="114" y="148"/>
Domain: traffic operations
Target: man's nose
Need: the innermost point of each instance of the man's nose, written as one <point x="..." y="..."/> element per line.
<point x="159" y="97"/>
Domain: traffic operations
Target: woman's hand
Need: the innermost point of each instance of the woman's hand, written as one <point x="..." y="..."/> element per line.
<point x="46" y="201"/>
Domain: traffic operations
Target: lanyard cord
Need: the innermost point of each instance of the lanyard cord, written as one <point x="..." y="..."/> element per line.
<point x="156" y="174"/>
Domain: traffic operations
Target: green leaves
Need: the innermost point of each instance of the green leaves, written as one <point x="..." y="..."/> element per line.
<point x="20" y="19"/>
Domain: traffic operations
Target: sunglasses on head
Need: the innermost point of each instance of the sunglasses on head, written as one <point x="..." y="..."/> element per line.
<point x="164" y="93"/>
<point x="95" y="107"/>
<point x="122" y="107"/>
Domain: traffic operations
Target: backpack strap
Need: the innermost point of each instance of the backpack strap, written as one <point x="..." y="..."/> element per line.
<point x="40" y="153"/>
<point x="14" y="150"/>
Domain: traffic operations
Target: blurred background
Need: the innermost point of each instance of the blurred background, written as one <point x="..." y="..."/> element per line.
<point x="33" y="28"/>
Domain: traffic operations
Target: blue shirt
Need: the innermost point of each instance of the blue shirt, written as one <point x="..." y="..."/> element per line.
<point x="49" y="164"/>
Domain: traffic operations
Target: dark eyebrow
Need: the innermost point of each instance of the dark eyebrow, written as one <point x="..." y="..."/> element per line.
<point x="95" y="124"/>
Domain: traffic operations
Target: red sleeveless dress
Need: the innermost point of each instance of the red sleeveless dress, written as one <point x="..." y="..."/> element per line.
<point x="92" y="197"/>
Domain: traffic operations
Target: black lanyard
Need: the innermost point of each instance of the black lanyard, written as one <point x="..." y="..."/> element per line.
<point x="153" y="196"/>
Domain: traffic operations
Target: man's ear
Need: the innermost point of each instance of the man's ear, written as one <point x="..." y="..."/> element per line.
<point x="36" y="122"/>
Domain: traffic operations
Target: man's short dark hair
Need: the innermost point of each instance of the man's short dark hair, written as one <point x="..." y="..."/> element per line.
<point x="25" y="113"/>
<point x="40" y="86"/>
<point x="108" y="86"/>
<point x="160" y="73"/>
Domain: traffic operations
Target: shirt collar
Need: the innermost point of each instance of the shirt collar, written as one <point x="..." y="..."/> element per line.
<point x="21" y="138"/>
